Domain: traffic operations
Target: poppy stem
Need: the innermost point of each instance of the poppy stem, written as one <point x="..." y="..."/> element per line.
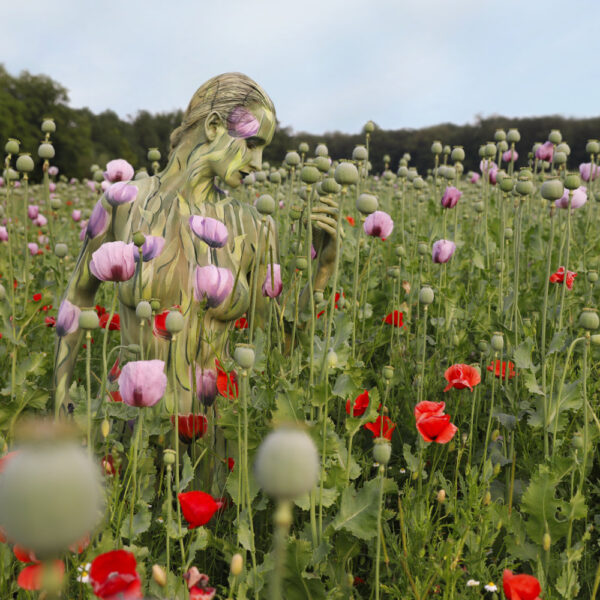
<point x="88" y="387"/>
<point x="422" y="378"/>
<point x="490" y="412"/>
<point x="355" y="285"/>
<point x="379" y="510"/>
<point x="113" y="307"/>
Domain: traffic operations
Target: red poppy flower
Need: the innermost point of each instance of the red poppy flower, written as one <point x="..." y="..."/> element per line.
<point x="198" y="507"/>
<point x="360" y="405"/>
<point x="50" y="321"/>
<point x="114" y="373"/>
<point x="191" y="427"/>
<point x="495" y="366"/>
<point x="160" y="325"/>
<point x="227" y="385"/>
<point x="198" y="585"/>
<point x="100" y="310"/>
<point x="394" y="318"/>
<point x="520" y="587"/>
<point x="337" y="297"/>
<point x="30" y="578"/>
<point x="381" y="429"/>
<point x="116" y="396"/>
<point x="559" y="277"/>
<point x="461" y="376"/>
<point x="113" y="576"/>
<point x="351" y="221"/>
<point x="429" y="408"/>
<point x="69" y="203"/>
<point x="46" y="307"/>
<point x="15" y="284"/>
<point x="108" y="465"/>
<point x="37" y="297"/>
<point x="435" y="427"/>
<point x="115" y="322"/>
<point x="241" y="323"/>
<point x="230" y="464"/>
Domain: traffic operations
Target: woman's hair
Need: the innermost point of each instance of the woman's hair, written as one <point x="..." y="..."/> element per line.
<point x="222" y="94"/>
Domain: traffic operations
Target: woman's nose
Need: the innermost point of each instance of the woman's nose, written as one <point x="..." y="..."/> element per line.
<point x="256" y="161"/>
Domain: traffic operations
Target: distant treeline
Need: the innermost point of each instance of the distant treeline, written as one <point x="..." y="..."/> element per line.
<point x="83" y="138"/>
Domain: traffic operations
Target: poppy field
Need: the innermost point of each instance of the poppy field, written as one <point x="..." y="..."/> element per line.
<point x="425" y="425"/>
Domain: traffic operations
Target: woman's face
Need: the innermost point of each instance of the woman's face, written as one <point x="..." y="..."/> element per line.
<point x="238" y="146"/>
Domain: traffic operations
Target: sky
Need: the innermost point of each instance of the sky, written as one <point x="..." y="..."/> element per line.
<point x="328" y="65"/>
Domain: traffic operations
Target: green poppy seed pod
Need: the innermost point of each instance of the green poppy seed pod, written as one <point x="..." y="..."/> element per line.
<point x="388" y="372"/>
<point x="524" y="187"/>
<point x="275" y="177"/>
<point x="382" y="451"/>
<point x="546" y="541"/>
<point x="2" y="292"/>
<point x="143" y="310"/>
<point x="483" y="347"/>
<point x="506" y="184"/>
<point x="139" y="239"/>
<point x="577" y="440"/>
<point x="12" y="175"/>
<point x="321" y="150"/>
<point x="88" y="319"/>
<point x="48" y="125"/>
<point x="55" y="203"/>
<point x="403" y="172"/>
<point x="595" y="339"/>
<point x="458" y="154"/>
<point x="318" y="296"/>
<point x="301" y="263"/>
<point x="174" y="322"/>
<point x="513" y="136"/>
<point x="592" y="147"/>
<point x="141" y="174"/>
<point x="266" y="166"/>
<point x="490" y="150"/>
<point x="592" y="276"/>
<point x="310" y="174"/>
<point x="237" y="565"/>
<point x="418" y="183"/>
<point x="552" y="189"/>
<point x="412" y="173"/>
<point x="292" y="158"/>
<point x="497" y="341"/>
<point x="260" y="176"/>
<point x="153" y="154"/>
<point x="400" y="251"/>
<point x="502" y="146"/>
<point x="588" y="319"/>
<point x="265" y="204"/>
<point x="46" y="150"/>
<point x="295" y="212"/>
<point x="369" y="127"/>
<point x="12" y="146"/>
<point x="359" y="153"/>
<point x="61" y="250"/>
<point x="287" y="464"/>
<point x="447" y="149"/>
<point x="423" y="248"/>
<point x="346" y="173"/>
<point x="94" y="168"/>
<point x="572" y="181"/>
<point x="450" y="173"/>
<point x="366" y="204"/>
<point x="98" y="176"/>
<point x="244" y="355"/>
<point x="555" y="136"/>
<point x="155" y="305"/>
<point x="25" y="163"/>
<point x="303" y="148"/>
<point x="436" y="147"/>
<point x="496" y="470"/>
<point x="169" y="456"/>
<point x="500" y="135"/>
<point x="508" y="233"/>
<point x="564" y="147"/>
<point x="560" y="158"/>
<point x="426" y="295"/>
<point x="330" y="186"/>
<point x="133" y="348"/>
<point x="479" y="207"/>
<point x="322" y="163"/>
<point x="50" y="496"/>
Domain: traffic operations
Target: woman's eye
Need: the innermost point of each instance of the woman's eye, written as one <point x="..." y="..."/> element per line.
<point x="251" y="144"/>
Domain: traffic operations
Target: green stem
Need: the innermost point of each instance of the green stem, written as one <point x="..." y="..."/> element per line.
<point x="378" y="550"/>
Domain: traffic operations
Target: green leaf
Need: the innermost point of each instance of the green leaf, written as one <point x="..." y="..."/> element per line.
<point x="412" y="461"/>
<point x="244" y="533"/>
<point x="358" y="511"/>
<point x="558" y="342"/>
<point x="187" y="474"/>
<point x="522" y="356"/>
<point x="329" y="497"/>
<point x="477" y="260"/>
<point x="532" y="385"/>
<point x="141" y="522"/>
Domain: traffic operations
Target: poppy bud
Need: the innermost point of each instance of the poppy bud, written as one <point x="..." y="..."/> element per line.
<point x="495" y="434"/>
<point x="455" y="340"/>
<point x="88" y="319"/>
<point x="577" y="441"/>
<point x="388" y="372"/>
<point x="46" y="150"/>
<point x="497" y="341"/>
<point x="318" y="296"/>
<point x="158" y="573"/>
<point x="12" y="146"/>
<point x="426" y="295"/>
<point x="382" y="451"/>
<point x="555" y="136"/>
<point x="572" y="181"/>
<point x="508" y="233"/>
<point x="143" y="310"/>
<point x="552" y="189"/>
<point x="155" y="305"/>
<point x="422" y="248"/>
<point x="592" y="276"/>
<point x="174" y="322"/>
<point x="487" y="498"/>
<point x="265" y="204"/>
<point x="237" y="564"/>
<point x="244" y="355"/>
<point x="153" y="154"/>
<point x="169" y="457"/>
<point x="366" y="204"/>
<point x="524" y="186"/>
<point x="341" y="301"/>
<point x="61" y="250"/>
<point x="588" y="319"/>
<point x="483" y="347"/>
<point x="25" y="163"/>
<point x="441" y="496"/>
<point x="105" y="428"/>
<point x="332" y="359"/>
<point x="287" y="464"/>
<point x="546" y="541"/>
<point x="139" y="239"/>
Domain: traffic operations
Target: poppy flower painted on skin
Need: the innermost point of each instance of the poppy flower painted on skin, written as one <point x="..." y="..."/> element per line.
<point x="113" y="576"/>
<point x="495" y="367"/>
<point x="381" y="428"/>
<point x="198" y="507"/>
<point x="461" y="376"/>
<point x="159" y="328"/>
<point x="394" y="318"/>
<point x="559" y="277"/>
<point x="360" y="405"/>
<point x="520" y="587"/>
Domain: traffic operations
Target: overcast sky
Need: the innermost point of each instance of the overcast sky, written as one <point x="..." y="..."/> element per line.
<point x="327" y="64"/>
